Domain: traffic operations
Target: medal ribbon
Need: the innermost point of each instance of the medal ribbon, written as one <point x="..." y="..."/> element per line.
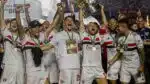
<point x="122" y="45"/>
<point x="14" y="39"/>
<point x="93" y="40"/>
<point x="113" y="38"/>
<point x="70" y="37"/>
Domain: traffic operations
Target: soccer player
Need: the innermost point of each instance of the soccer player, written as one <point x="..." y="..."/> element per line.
<point x="66" y="45"/>
<point x="131" y="53"/>
<point x="110" y="41"/>
<point x="49" y="59"/>
<point x="91" y="47"/>
<point x="13" y="59"/>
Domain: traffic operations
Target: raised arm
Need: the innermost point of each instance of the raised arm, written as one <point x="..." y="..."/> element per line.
<point x="72" y="6"/>
<point x="27" y="13"/>
<point x="19" y="25"/>
<point x="81" y="16"/>
<point x="104" y="19"/>
<point x="2" y="22"/>
<point x="58" y="18"/>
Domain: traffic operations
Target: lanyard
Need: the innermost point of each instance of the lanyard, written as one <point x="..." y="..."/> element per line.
<point x="14" y="39"/>
<point x="125" y="39"/>
<point x="92" y="39"/>
<point x="113" y="37"/>
<point x="70" y="37"/>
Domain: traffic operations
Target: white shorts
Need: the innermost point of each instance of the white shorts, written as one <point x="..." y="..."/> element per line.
<point x="70" y="76"/>
<point x="113" y="71"/>
<point x="50" y="65"/>
<point x="126" y="73"/>
<point x="53" y="73"/>
<point x="91" y="73"/>
<point x="12" y="75"/>
<point x="37" y="77"/>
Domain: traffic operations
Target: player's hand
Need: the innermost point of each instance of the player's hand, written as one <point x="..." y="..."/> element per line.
<point x="60" y="7"/>
<point x="102" y="6"/>
<point x="141" y="68"/>
<point x="63" y="4"/>
<point x="18" y="7"/>
<point x="81" y="5"/>
<point x="110" y="61"/>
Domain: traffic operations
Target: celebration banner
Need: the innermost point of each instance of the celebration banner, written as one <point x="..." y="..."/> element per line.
<point x="9" y="9"/>
<point x="35" y="10"/>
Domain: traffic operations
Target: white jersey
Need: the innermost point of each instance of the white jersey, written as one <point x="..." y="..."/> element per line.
<point x="49" y="55"/>
<point x="28" y="43"/>
<point x="131" y="45"/>
<point x="110" y="43"/>
<point x="12" y="54"/>
<point x="65" y="59"/>
<point x="91" y="52"/>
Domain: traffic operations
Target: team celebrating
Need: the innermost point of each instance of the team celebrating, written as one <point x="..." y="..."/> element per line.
<point x="67" y="50"/>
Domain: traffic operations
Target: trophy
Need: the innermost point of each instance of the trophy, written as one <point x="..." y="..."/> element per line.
<point x="92" y="6"/>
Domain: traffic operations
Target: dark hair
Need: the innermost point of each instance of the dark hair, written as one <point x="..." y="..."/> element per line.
<point x="13" y="19"/>
<point x="34" y="24"/>
<point x="68" y="17"/>
<point x="96" y="24"/>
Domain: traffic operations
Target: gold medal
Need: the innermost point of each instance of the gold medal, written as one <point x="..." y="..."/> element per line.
<point x="121" y="50"/>
<point x="71" y="46"/>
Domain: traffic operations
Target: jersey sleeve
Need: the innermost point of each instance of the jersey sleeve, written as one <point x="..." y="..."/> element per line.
<point x="82" y="35"/>
<point x="139" y="41"/>
<point x="25" y="40"/>
<point x="104" y="39"/>
<point x="5" y="32"/>
<point x="54" y="40"/>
